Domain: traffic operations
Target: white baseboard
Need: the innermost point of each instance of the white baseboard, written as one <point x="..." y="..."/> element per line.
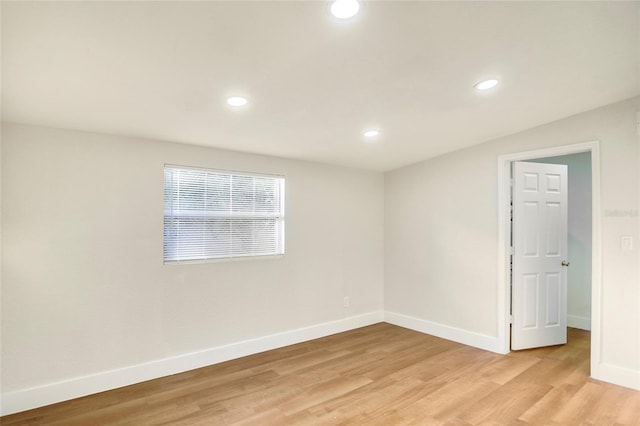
<point x="620" y="376"/>
<point x="582" y="323"/>
<point x="481" y="341"/>
<point x="26" y="399"/>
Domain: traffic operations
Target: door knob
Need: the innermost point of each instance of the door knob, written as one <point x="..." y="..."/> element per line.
<point x="565" y="263"/>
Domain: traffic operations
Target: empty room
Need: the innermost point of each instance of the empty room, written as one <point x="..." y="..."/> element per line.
<point x="320" y="212"/>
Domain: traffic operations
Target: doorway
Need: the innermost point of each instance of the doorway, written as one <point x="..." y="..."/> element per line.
<point x="579" y="237"/>
<point x="504" y="241"/>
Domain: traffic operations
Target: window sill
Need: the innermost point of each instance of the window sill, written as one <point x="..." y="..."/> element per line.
<point x="224" y="259"/>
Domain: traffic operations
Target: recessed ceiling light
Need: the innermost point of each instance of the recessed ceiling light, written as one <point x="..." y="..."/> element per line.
<point x="487" y="84"/>
<point x="237" y="101"/>
<point x="371" y="133"/>
<point x="345" y="9"/>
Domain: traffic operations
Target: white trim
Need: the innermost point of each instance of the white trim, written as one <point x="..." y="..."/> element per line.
<point x="25" y="399"/>
<point x="504" y="236"/>
<point x="470" y="338"/>
<point x="596" y="264"/>
<point x="574" y="321"/>
<point x="619" y="376"/>
<point x="504" y="250"/>
<point x="13" y="402"/>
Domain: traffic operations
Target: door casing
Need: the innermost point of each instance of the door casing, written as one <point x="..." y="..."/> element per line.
<point x="504" y="238"/>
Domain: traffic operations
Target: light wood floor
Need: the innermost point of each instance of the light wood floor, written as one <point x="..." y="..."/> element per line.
<point x="376" y="375"/>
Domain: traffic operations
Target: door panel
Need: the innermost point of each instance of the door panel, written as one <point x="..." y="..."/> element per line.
<point x="539" y="281"/>
<point x="530" y="302"/>
<point x="530" y="233"/>
<point x="554" y="239"/>
<point x="553" y="298"/>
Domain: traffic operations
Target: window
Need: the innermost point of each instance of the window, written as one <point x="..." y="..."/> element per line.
<point x="211" y="214"/>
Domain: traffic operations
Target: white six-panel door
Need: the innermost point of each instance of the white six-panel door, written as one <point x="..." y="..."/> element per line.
<point x="539" y="276"/>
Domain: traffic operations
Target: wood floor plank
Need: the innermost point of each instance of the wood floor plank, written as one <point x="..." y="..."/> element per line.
<point x="556" y="398"/>
<point x="376" y="375"/>
<point x="629" y="413"/>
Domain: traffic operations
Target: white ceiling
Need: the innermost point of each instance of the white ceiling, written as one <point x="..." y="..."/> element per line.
<point x="163" y="70"/>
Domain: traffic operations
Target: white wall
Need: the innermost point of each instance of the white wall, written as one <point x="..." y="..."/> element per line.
<point x="441" y="249"/>
<point x="87" y="303"/>
<point x="84" y="288"/>
<point x="579" y="237"/>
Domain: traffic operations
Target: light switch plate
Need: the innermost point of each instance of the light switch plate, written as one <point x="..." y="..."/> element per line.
<point x="626" y="243"/>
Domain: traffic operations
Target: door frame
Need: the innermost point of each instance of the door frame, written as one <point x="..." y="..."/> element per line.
<point x="504" y="238"/>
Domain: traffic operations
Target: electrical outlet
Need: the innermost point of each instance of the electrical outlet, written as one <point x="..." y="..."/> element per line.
<point x="345" y="301"/>
<point x="626" y="243"/>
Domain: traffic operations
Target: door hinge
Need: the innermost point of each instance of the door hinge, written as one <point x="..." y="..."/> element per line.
<point x="510" y="319"/>
<point x="511" y="251"/>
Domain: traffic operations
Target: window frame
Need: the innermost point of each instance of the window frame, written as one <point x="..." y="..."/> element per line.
<point x="280" y="219"/>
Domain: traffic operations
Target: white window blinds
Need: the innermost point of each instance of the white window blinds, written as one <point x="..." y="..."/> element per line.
<point x="211" y="214"/>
